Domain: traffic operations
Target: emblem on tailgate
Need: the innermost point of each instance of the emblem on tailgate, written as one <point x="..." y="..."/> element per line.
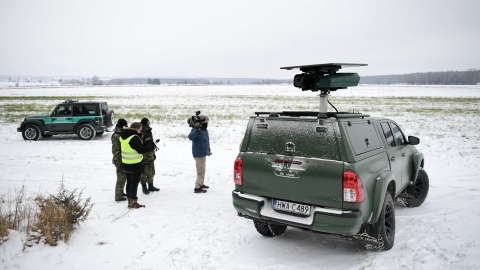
<point x="290" y="148"/>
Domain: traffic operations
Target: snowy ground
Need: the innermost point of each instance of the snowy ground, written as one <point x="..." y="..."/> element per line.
<point x="182" y="230"/>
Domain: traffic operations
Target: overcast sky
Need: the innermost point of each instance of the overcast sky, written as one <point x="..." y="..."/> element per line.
<point x="232" y="38"/>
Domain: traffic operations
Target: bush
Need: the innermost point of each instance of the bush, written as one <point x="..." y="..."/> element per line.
<point x="71" y="201"/>
<point x="17" y="213"/>
<point x="53" y="222"/>
<point x="60" y="213"/>
<point x="49" y="219"/>
<point x="5" y="225"/>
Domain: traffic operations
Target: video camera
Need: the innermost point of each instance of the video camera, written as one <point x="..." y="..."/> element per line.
<point x="195" y="120"/>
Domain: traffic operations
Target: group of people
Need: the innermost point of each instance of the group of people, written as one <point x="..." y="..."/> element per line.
<point x="133" y="150"/>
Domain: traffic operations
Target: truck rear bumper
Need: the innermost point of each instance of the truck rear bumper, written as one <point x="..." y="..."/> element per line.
<point x="325" y="220"/>
<point x="101" y="128"/>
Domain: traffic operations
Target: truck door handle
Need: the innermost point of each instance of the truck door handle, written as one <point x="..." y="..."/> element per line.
<point x="403" y="154"/>
<point x="392" y="158"/>
<point x="71" y="119"/>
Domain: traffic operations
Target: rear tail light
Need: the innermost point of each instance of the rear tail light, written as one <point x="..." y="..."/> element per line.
<point x="352" y="187"/>
<point x="237" y="172"/>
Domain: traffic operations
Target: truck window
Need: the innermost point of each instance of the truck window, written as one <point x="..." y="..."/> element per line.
<point x="397" y="135"/>
<point x="92" y="109"/>
<point x="64" y="110"/>
<point x="363" y="137"/>
<point x="387" y="132"/>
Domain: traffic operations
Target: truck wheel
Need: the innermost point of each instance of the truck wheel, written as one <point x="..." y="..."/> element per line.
<point x="385" y="226"/>
<point x="31" y="132"/>
<point x="109" y="118"/>
<point x="417" y="193"/>
<point x="86" y="132"/>
<point x="269" y="230"/>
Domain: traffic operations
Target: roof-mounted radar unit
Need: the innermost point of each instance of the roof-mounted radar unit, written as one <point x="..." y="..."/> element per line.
<point x="325" y="77"/>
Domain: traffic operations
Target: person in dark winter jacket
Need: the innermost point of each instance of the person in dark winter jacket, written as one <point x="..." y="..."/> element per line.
<point x="132" y="160"/>
<point x="117" y="160"/>
<point x="148" y="159"/>
<point x="200" y="150"/>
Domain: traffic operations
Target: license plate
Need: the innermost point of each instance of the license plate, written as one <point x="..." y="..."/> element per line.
<point x="291" y="207"/>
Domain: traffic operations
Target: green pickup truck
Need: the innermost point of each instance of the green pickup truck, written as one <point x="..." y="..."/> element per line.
<point x="327" y="172"/>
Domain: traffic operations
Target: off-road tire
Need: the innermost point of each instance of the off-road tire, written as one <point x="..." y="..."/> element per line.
<point x="31" y="132"/>
<point x="109" y="118"/>
<point x="385" y="226"/>
<point x="417" y="193"/>
<point x="269" y="230"/>
<point x="86" y="132"/>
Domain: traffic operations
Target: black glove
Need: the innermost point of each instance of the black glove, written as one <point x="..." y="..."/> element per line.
<point x="157" y="140"/>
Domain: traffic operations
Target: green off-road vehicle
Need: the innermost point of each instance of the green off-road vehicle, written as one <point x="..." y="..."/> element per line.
<point x="327" y="172"/>
<point x="86" y="119"/>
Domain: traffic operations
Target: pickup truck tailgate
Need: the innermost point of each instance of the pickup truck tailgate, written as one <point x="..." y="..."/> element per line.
<point x="298" y="179"/>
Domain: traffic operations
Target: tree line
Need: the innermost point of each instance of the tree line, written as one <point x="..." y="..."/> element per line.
<point x="192" y="81"/>
<point x="469" y="77"/>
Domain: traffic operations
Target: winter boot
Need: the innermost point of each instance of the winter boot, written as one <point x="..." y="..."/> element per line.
<point x="129" y="202"/>
<point x="151" y="187"/>
<point x="120" y="199"/>
<point x="145" y="189"/>
<point x="199" y="190"/>
<point x="205" y="187"/>
<point x="135" y="204"/>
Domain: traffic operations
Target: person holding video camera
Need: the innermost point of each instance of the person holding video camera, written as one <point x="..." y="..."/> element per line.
<point x="200" y="148"/>
<point x="148" y="159"/>
<point x="132" y="160"/>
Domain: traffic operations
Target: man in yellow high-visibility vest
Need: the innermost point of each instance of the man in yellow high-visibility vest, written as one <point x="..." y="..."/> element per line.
<point x="132" y="157"/>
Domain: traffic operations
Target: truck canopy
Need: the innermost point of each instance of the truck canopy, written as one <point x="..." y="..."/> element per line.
<point x="293" y="159"/>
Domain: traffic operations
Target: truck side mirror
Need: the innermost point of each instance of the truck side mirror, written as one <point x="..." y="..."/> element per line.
<point x="412" y="140"/>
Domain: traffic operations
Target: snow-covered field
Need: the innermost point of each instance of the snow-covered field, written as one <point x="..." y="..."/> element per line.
<point x="182" y="230"/>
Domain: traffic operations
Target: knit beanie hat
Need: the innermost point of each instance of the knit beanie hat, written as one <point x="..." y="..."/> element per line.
<point x="145" y="121"/>
<point x="121" y="123"/>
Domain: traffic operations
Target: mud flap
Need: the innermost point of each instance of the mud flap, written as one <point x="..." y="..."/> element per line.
<point x="368" y="234"/>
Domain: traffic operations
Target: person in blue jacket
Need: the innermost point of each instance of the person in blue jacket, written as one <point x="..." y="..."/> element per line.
<point x="200" y="150"/>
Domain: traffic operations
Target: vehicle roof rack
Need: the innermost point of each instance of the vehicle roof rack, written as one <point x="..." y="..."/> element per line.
<point x="314" y="114"/>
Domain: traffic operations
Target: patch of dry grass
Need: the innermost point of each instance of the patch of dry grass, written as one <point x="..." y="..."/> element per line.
<point x="49" y="219"/>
